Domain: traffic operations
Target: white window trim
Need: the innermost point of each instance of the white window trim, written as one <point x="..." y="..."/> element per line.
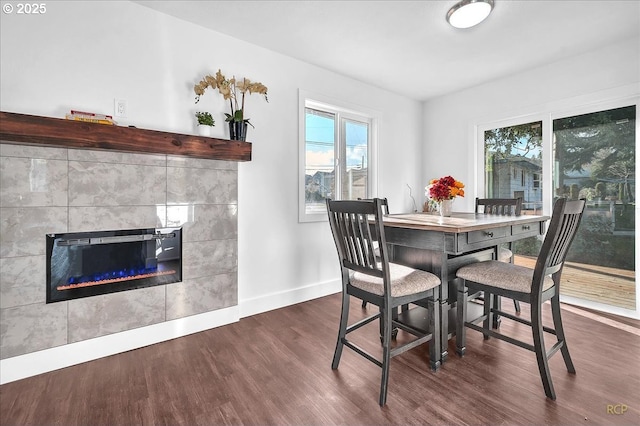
<point x="315" y="100"/>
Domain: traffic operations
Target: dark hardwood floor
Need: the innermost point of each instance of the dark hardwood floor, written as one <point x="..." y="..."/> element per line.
<point x="275" y="369"/>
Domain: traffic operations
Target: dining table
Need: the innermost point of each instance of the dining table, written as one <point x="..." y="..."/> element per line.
<point x="441" y="245"/>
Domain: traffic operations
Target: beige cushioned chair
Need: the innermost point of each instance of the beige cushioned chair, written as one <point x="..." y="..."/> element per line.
<point x="357" y="228"/>
<point x="532" y="286"/>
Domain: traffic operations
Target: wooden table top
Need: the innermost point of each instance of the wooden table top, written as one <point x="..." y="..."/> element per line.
<point x="457" y="222"/>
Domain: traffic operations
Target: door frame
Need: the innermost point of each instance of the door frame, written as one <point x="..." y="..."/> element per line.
<point x="546" y="115"/>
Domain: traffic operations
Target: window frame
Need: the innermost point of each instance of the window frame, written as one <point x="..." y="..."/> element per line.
<point x="546" y="185"/>
<point x="342" y="110"/>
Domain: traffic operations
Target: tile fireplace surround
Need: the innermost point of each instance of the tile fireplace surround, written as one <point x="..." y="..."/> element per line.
<point x="53" y="190"/>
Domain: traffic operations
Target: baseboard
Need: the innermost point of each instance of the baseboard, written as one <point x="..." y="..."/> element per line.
<point x="610" y="309"/>
<point x="32" y="364"/>
<point x="269" y="302"/>
<point x="23" y="366"/>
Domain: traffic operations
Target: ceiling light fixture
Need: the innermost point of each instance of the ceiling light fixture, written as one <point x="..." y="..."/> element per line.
<point x="467" y="13"/>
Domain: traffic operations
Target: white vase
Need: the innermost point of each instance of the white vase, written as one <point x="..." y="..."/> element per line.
<point x="445" y="208"/>
<point x="204" y="130"/>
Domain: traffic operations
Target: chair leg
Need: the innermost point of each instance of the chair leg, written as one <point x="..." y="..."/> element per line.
<point x="497" y="304"/>
<point x="557" y="324"/>
<point x="342" y="332"/>
<point x="364" y="304"/>
<point x="394" y="331"/>
<point x="516" y="304"/>
<point x="539" y="348"/>
<point x="489" y="316"/>
<point x="385" y="318"/>
<point x="461" y="317"/>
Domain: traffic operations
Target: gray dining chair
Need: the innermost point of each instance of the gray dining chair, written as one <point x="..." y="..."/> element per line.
<point x="356" y="226"/>
<point x="505" y="207"/>
<point x="533" y="286"/>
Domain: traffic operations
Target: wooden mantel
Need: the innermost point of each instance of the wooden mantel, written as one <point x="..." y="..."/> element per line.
<point x="37" y="130"/>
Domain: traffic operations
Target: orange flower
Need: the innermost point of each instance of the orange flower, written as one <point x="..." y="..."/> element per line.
<point x="445" y="188"/>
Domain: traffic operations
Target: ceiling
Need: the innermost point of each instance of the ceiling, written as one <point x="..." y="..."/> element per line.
<point x="407" y="46"/>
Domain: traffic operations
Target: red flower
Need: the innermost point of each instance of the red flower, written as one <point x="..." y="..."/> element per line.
<point x="445" y="188"/>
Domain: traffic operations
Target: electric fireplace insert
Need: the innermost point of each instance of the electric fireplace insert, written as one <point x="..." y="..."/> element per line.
<point x="87" y="264"/>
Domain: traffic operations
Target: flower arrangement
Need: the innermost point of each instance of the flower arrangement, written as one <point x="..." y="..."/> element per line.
<point x="445" y="188"/>
<point x="229" y="89"/>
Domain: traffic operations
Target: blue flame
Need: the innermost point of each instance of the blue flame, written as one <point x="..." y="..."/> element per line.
<point x="121" y="274"/>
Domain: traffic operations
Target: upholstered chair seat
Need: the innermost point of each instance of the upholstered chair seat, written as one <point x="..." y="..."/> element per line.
<point x="404" y="281"/>
<point x="502" y="275"/>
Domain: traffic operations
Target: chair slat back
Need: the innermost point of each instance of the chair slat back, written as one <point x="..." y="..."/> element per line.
<point x="351" y="224"/>
<point x="563" y="227"/>
<point x="500" y="206"/>
<point x="383" y="201"/>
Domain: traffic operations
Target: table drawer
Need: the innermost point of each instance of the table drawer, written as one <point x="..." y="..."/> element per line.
<point x="525" y="228"/>
<point x="488" y="235"/>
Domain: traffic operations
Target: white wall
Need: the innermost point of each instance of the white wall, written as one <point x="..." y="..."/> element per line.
<point x="449" y="121"/>
<point x="82" y="55"/>
<point x="600" y="79"/>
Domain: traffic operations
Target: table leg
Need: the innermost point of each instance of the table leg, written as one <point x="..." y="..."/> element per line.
<point x="444" y="329"/>
<point x="495" y="322"/>
<point x="439" y="262"/>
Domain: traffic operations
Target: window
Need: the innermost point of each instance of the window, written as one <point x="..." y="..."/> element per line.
<point x="516" y="149"/>
<point x="336" y="151"/>
<point x="513" y="169"/>
<point x="536" y="180"/>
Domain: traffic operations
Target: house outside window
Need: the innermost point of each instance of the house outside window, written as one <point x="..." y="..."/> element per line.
<point x="336" y="156"/>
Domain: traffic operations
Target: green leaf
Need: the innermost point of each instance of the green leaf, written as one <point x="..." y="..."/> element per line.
<point x="205" y="119"/>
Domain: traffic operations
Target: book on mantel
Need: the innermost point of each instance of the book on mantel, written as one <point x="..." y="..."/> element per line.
<point x="90" y="117"/>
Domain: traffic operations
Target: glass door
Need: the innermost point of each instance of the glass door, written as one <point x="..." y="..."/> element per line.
<point x="594" y="158"/>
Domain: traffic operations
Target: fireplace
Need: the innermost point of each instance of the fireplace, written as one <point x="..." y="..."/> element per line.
<point x="87" y="264"/>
